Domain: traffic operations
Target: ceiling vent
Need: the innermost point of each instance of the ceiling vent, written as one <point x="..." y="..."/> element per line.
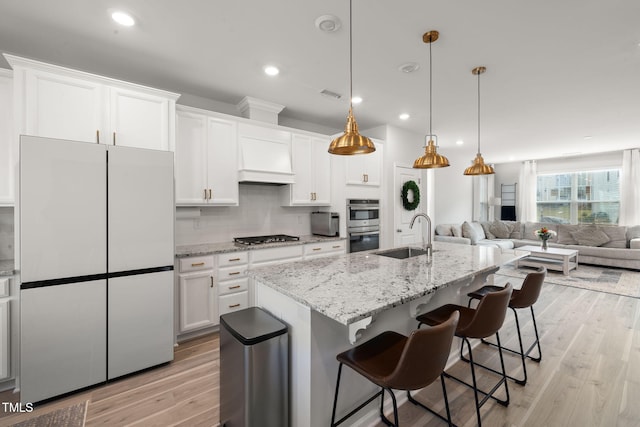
<point x="330" y="94"/>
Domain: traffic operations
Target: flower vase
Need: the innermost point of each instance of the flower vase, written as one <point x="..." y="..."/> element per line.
<point x="544" y="244"/>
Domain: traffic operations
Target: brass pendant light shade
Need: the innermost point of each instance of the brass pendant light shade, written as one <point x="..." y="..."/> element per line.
<point x="351" y="142"/>
<point x="478" y="167"/>
<point x="431" y="158"/>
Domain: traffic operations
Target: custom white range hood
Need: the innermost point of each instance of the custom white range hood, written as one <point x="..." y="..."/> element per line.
<point x="265" y="152"/>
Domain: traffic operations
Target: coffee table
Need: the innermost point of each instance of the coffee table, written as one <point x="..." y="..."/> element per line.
<point x="558" y="259"/>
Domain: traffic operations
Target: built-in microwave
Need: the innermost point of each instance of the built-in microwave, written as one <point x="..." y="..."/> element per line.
<point x="363" y="224"/>
<point x="363" y="213"/>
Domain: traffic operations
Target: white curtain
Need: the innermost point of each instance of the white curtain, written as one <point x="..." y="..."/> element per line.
<point x="526" y="209"/>
<point x="630" y="188"/>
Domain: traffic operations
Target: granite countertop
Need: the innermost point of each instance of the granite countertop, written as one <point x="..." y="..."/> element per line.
<point x="226" y="247"/>
<point x="7" y="267"/>
<point x="331" y="285"/>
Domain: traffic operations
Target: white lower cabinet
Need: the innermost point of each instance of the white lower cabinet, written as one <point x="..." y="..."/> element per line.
<point x="233" y="283"/>
<point x="198" y="294"/>
<point x="5" y="329"/>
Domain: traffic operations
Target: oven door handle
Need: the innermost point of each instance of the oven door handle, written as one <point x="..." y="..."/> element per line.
<point x="369" y="208"/>
<point x="366" y="233"/>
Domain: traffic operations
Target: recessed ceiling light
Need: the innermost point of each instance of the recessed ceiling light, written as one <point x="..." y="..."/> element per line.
<point x="459" y="142"/>
<point x="328" y="23"/>
<point x="123" y="18"/>
<point x="356" y="100"/>
<point x="404" y="116"/>
<point x="270" y="70"/>
<point x="409" y="67"/>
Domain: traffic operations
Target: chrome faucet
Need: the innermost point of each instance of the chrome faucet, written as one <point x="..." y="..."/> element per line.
<point x="428" y="247"/>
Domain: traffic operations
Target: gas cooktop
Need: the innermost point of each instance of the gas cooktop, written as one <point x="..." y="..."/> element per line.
<point x="259" y="240"/>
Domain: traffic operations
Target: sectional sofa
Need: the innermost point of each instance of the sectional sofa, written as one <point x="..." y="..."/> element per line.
<point x="605" y="245"/>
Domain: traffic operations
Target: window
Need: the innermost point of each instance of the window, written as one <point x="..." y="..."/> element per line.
<point x="579" y="198"/>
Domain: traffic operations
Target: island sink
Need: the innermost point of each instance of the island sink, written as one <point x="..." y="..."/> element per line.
<point x="402" y="253"/>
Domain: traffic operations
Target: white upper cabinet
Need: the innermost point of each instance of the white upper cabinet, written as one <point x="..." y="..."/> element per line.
<point x="7" y="145"/>
<point x="365" y="169"/>
<point x="206" y="159"/>
<point x="58" y="102"/>
<point x="312" y="168"/>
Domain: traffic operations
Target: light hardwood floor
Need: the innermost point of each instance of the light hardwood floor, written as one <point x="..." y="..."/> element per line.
<point x="589" y="376"/>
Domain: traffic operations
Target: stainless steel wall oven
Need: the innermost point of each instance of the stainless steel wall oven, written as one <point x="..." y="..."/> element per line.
<point x="363" y="224"/>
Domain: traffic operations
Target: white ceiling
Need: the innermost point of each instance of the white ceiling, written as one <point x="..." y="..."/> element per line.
<point x="557" y="71"/>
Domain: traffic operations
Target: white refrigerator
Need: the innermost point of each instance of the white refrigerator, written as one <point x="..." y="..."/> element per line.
<point x="96" y="263"/>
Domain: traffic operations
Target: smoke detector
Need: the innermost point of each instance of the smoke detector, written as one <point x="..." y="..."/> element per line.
<point x="328" y="23"/>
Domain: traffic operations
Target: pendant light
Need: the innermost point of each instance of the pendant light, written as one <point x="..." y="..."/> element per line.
<point x="431" y="158"/>
<point x="478" y="167"/>
<point x="351" y="142"/>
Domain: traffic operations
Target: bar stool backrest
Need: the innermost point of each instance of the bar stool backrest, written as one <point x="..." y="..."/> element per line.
<point x="489" y="315"/>
<point x="528" y="294"/>
<point x="424" y="356"/>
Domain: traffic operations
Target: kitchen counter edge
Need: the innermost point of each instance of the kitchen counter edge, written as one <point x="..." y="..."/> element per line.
<point x="183" y="251"/>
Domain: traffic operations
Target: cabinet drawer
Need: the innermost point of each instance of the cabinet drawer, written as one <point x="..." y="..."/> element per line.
<point x="274" y="254"/>
<point x="234" y="302"/>
<point x="230" y="273"/>
<point x="4" y="287"/>
<point x="232" y="258"/>
<point x="233" y="286"/>
<point x="336" y="246"/>
<point x="196" y="263"/>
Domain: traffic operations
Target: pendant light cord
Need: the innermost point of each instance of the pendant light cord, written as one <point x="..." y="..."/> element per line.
<point x="479" y="113"/>
<point x="350" y="54"/>
<point x="430" y="89"/>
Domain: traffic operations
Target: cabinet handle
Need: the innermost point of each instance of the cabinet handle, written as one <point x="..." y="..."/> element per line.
<point x="235" y="273"/>
<point x="197" y="264"/>
<point x="234" y="305"/>
<point x="317" y="249"/>
<point x="210" y="197"/>
<point x="114" y="138"/>
<point x="234" y="287"/>
<point x="336" y="247"/>
<point x="97" y="136"/>
<point x="234" y="259"/>
<point x="205" y="194"/>
<point x="366" y="177"/>
<point x="211" y="277"/>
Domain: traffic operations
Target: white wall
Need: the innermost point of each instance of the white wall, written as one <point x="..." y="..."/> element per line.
<point x="259" y="214"/>
<point x="453" y="190"/>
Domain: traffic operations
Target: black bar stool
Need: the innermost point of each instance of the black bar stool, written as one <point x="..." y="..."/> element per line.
<point x="393" y="361"/>
<point x="481" y="322"/>
<point x="525" y="297"/>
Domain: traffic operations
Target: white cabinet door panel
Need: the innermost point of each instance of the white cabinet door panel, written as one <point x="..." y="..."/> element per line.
<point x="191" y="158"/>
<point x="63" y="339"/>
<point x="222" y="158"/>
<point x="63" y="107"/>
<point x="7" y="151"/>
<point x="141" y="208"/>
<point x="138" y="119"/>
<point x="62" y="183"/>
<point x="140" y="338"/>
<point x="198" y="301"/>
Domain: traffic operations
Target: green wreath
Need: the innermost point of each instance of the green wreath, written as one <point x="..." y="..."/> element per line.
<point x="413" y="187"/>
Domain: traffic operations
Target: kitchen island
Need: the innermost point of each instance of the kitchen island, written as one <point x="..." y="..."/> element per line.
<point x="332" y="303"/>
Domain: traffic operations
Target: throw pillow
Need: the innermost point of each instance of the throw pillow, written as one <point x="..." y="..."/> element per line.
<point x="565" y="234"/>
<point x="516" y="232"/>
<point x="590" y="236"/>
<point x="444" y="230"/>
<point x="473" y="231"/>
<point x="486" y="227"/>
<point x="501" y="230"/>
<point x="456" y="229"/>
<point x="617" y="236"/>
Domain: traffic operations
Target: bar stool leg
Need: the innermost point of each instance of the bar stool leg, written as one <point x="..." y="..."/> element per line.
<point x="335" y="398"/>
<point x="535" y="328"/>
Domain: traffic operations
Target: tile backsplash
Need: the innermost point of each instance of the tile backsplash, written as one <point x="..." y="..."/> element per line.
<point x="259" y="213"/>
<point x="6" y="233"/>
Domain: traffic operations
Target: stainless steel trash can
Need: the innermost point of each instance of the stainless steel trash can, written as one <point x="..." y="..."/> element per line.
<point x="254" y="370"/>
